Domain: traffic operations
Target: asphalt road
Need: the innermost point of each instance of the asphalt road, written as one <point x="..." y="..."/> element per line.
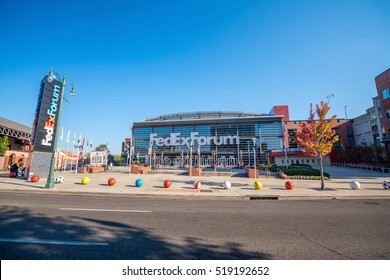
<point x="46" y="226"/>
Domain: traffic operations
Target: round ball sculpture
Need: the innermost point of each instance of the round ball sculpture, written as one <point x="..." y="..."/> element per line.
<point x="354" y="185"/>
<point x="111" y="181"/>
<point x="167" y="183"/>
<point x="139" y="183"/>
<point x="258" y="185"/>
<point x="59" y="179"/>
<point x="197" y="184"/>
<point x="85" y="180"/>
<point x="12" y="174"/>
<point x="289" y="185"/>
<point x="227" y="185"/>
<point x="35" y="178"/>
<point x="386" y="185"/>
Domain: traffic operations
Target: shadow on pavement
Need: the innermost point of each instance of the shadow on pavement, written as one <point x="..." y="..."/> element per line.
<point x="125" y="242"/>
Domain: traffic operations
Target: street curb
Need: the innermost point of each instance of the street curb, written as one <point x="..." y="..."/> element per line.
<point x="192" y="196"/>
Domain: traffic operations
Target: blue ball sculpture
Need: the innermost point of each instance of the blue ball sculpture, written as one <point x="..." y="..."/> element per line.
<point x="139" y="183"/>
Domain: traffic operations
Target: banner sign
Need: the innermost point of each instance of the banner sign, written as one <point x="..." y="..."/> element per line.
<point x="46" y="115"/>
<point x="97" y="158"/>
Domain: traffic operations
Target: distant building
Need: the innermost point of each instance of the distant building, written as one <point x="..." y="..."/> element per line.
<point x="382" y="82"/>
<point x="375" y="116"/>
<point x="19" y="143"/>
<point x="292" y="153"/>
<point x="363" y="130"/>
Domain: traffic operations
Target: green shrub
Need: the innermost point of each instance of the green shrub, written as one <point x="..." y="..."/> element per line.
<point x="267" y="166"/>
<point x="303" y="172"/>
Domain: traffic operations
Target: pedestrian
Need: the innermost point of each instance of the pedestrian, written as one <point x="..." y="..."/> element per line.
<point x="21" y="166"/>
<point x="14" y="168"/>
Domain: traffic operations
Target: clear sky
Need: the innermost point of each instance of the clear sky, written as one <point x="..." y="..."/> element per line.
<point x="133" y="59"/>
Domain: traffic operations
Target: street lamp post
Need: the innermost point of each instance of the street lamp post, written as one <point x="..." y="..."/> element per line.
<point x="52" y="76"/>
<point x="150" y="151"/>
<point x="261" y="148"/>
<point x="254" y="156"/>
<point x="191" y="158"/>
<point x="106" y="151"/>
<point x="130" y="152"/>
<point x="198" y="155"/>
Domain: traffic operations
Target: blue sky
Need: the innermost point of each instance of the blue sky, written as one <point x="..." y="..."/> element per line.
<point x="136" y="59"/>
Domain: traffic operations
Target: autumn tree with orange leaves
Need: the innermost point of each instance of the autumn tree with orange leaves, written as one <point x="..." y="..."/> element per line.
<point x="317" y="136"/>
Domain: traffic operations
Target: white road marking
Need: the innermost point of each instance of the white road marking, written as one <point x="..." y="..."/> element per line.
<point x="54" y="242"/>
<point x="106" y="210"/>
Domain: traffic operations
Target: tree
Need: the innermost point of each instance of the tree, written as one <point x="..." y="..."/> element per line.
<point x="317" y="136"/>
<point x="118" y="159"/>
<point x="3" y="145"/>
<point x="101" y="148"/>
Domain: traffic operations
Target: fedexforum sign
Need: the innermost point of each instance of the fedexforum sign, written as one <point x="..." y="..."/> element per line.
<point x="46" y="116"/>
<point x="176" y="140"/>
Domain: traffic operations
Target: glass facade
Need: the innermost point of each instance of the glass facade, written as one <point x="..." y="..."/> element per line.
<point x="220" y="141"/>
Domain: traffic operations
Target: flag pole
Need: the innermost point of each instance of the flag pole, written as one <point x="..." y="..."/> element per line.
<point x="59" y="148"/>
<point x="67" y="150"/>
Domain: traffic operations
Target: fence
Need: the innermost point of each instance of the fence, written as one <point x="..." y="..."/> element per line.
<point x="382" y="169"/>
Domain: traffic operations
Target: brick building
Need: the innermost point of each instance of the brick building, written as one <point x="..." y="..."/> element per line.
<point x="18" y="141"/>
<point x="382" y="82"/>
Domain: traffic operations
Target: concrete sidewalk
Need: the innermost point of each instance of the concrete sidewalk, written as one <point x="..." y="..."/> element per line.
<point x="182" y="185"/>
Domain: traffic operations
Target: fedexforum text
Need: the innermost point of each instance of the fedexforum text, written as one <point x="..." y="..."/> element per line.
<point x="51" y="114"/>
<point x="175" y="140"/>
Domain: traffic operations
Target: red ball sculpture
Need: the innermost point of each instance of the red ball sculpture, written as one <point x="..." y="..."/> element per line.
<point x="167" y="183"/>
<point x="289" y="185"/>
<point x="35" y="178"/>
<point x="12" y="174"/>
<point x="111" y="181"/>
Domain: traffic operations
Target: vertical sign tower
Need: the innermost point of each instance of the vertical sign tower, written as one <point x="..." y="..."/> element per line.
<point x="44" y="128"/>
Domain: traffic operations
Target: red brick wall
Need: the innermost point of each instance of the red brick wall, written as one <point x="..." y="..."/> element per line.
<point x="382" y="81"/>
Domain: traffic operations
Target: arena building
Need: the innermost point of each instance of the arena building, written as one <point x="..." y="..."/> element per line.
<point x="225" y="139"/>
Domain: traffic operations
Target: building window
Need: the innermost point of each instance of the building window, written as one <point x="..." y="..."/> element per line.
<point x="385" y="93"/>
<point x="388" y="114"/>
<point x="291" y="137"/>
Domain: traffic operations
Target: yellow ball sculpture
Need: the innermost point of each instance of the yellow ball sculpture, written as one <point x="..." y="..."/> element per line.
<point x="258" y="185"/>
<point x="85" y="181"/>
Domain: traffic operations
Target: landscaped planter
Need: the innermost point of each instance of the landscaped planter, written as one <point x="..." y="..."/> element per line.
<point x="250" y="172"/>
<point x="196" y="171"/>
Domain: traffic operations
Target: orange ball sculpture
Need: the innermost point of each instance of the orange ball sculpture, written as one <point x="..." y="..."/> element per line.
<point x="289" y="185"/>
<point x="35" y="178"/>
<point x="167" y="183"/>
<point x="111" y="181"/>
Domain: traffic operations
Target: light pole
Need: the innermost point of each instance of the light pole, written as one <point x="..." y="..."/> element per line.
<point x="129" y="152"/>
<point x="254" y="156"/>
<point x="53" y="76"/>
<point x="106" y="151"/>
<point x="78" y="146"/>
<point x="345" y="109"/>
<point x="191" y="158"/>
<point x="199" y="155"/>
<point x="150" y="151"/>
